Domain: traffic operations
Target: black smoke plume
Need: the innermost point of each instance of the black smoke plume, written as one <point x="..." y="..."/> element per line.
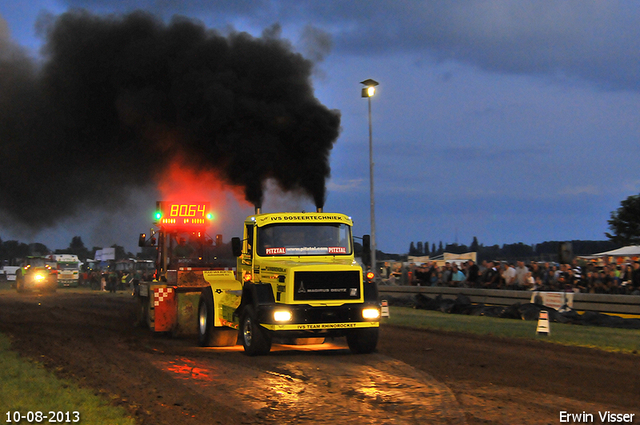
<point x="117" y="98"/>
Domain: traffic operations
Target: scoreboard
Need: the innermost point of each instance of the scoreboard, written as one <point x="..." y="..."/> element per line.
<point x="183" y="214"/>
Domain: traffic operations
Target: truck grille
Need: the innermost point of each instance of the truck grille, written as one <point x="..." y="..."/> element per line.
<point x="338" y="285"/>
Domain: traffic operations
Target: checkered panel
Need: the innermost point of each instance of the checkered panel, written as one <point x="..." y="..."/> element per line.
<point x="159" y="295"/>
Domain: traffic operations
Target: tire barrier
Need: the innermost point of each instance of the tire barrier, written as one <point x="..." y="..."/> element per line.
<point x="462" y="304"/>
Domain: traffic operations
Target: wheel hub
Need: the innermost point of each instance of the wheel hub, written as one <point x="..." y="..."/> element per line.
<point x="247" y="331"/>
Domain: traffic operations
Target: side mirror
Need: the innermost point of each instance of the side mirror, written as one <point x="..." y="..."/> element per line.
<point x="236" y="247"/>
<point x="366" y="250"/>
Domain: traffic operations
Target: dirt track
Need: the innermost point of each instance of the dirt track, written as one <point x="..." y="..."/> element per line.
<point x="416" y="376"/>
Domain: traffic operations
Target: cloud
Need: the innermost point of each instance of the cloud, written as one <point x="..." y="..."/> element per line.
<point x="346" y="186"/>
<point x="590" y="40"/>
<point x="580" y="190"/>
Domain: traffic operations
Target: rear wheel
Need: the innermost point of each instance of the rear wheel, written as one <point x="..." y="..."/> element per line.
<point x="255" y="339"/>
<point x="363" y="341"/>
<point x="20" y="285"/>
<point x="208" y="334"/>
<point x="141" y="313"/>
<point x="205" y="318"/>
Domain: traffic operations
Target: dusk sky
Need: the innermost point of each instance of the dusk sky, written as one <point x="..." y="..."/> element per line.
<point x="510" y="121"/>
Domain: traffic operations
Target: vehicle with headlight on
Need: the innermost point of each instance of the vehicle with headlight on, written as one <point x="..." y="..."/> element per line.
<point x="36" y="275"/>
<point x="296" y="278"/>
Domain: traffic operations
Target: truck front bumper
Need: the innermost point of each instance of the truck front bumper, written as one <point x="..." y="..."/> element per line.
<point x="320" y="318"/>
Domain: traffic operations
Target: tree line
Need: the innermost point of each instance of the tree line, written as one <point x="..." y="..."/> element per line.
<point x="624" y="225"/>
<point x="11" y="252"/>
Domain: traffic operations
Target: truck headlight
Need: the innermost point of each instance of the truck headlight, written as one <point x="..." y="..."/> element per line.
<point x="282" y="315"/>
<point x="38" y="277"/>
<point x="370" y="313"/>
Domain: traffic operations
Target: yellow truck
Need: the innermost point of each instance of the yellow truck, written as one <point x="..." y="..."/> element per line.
<point x="296" y="278"/>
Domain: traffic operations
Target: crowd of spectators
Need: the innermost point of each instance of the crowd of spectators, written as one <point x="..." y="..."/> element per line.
<point x="111" y="280"/>
<point x="534" y="276"/>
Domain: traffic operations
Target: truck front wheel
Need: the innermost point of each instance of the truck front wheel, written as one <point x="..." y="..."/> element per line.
<point x="362" y="341"/>
<point x="255" y="339"/>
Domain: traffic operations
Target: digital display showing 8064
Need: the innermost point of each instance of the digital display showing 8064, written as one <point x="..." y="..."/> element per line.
<point x="189" y="214"/>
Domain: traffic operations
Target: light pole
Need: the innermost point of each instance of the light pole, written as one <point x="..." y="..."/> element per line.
<point x="368" y="91"/>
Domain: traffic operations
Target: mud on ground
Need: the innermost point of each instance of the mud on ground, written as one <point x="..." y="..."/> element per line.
<point x="415" y="377"/>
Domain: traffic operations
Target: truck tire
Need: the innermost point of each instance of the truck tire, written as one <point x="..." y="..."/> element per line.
<point x="205" y="318"/>
<point x="208" y="334"/>
<point x="363" y="341"/>
<point x="141" y="313"/>
<point x="19" y="282"/>
<point x="255" y="339"/>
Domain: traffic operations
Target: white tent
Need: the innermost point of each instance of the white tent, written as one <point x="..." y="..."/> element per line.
<point x="625" y="251"/>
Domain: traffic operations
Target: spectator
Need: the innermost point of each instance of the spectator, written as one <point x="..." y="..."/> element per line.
<point x="635" y="279"/>
<point x="626" y="277"/>
<point x="599" y="283"/>
<point x="576" y="272"/>
<point x="521" y="274"/>
<point x="422" y="275"/>
<point x="473" y="274"/>
<point x="113" y="281"/>
<point x="491" y="276"/>
<point x="536" y="271"/>
<point x="446" y="274"/>
<point x="614" y="286"/>
<point x="436" y="275"/>
<point x="549" y="277"/>
<point x="509" y="276"/>
<point x="463" y="268"/>
<point x="457" y="277"/>
<point x="590" y="282"/>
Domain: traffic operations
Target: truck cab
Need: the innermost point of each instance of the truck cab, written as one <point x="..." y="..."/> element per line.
<point x="296" y="277"/>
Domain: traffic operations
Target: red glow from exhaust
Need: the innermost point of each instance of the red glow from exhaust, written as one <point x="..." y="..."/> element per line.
<point x="183" y="183"/>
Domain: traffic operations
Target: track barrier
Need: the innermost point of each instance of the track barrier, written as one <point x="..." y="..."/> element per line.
<point x="619" y="311"/>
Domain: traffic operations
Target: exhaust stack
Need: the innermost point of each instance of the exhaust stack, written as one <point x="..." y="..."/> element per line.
<point x="319" y="209"/>
<point x="258" y="210"/>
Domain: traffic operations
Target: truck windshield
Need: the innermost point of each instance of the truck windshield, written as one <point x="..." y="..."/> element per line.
<point x="36" y="262"/>
<point x="304" y="239"/>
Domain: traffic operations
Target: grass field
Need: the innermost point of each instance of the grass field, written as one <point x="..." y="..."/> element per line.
<point x="608" y="339"/>
<point x="28" y="387"/>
